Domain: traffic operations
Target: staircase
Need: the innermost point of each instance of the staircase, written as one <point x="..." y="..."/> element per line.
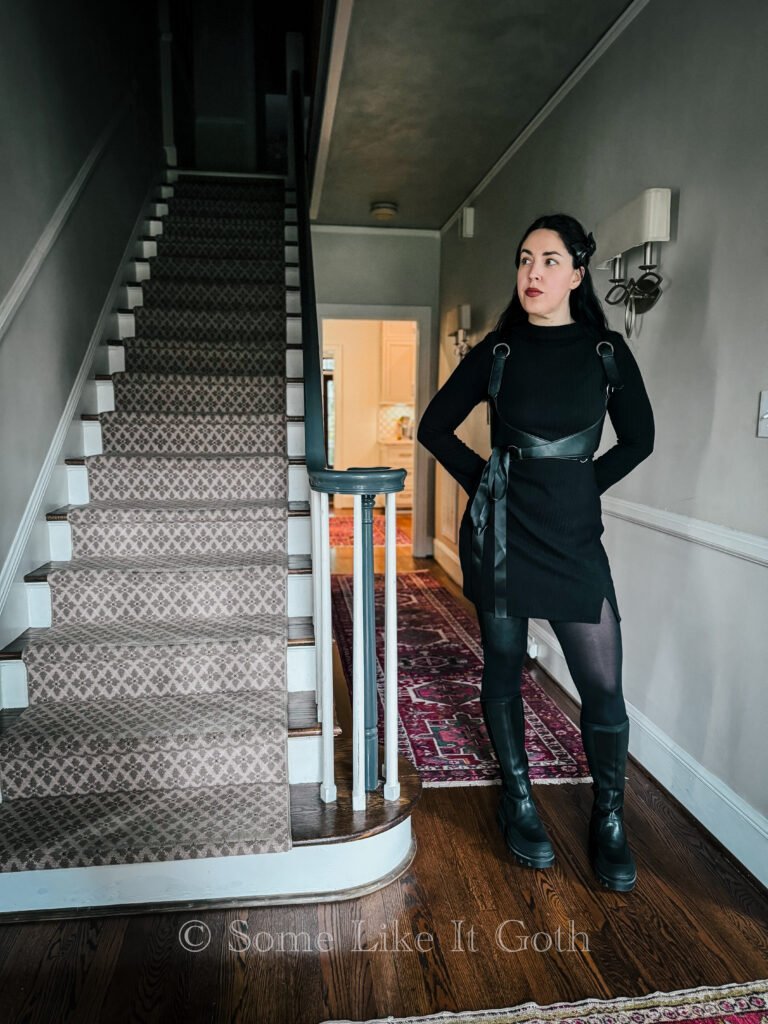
<point x="169" y="671"/>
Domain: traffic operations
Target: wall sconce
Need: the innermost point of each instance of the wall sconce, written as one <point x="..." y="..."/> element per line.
<point x="458" y="328"/>
<point x="642" y="221"/>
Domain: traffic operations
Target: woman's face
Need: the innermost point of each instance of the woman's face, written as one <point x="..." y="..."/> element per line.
<point x="546" y="277"/>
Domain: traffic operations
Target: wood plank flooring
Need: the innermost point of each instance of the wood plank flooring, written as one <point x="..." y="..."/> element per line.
<point x="492" y="933"/>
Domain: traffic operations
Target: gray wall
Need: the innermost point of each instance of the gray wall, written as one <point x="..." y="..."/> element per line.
<point x="376" y="267"/>
<point x="677" y="101"/>
<point x="64" y="69"/>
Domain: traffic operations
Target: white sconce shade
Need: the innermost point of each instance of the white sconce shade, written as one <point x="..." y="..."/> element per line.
<point x="458" y="318"/>
<point x="644" y="219"/>
<point x="467" y="222"/>
<point x="458" y="322"/>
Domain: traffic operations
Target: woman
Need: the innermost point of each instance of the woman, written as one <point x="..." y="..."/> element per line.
<point x="529" y="541"/>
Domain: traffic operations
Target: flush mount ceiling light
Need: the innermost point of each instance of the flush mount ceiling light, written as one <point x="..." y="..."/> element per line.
<point x="383" y="211"/>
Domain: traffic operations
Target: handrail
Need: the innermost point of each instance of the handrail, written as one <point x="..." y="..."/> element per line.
<point x="364" y="483"/>
<point x="378" y="479"/>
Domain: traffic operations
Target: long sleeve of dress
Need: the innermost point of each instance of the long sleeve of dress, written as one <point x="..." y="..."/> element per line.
<point x="631" y="414"/>
<point x="450" y="406"/>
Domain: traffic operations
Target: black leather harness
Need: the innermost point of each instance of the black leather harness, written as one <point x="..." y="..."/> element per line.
<point x="492" y="489"/>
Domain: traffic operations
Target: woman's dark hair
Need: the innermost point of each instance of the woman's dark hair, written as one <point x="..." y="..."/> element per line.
<point x="584" y="303"/>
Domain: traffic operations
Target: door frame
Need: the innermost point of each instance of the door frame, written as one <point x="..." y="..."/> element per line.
<point x="423" y="484"/>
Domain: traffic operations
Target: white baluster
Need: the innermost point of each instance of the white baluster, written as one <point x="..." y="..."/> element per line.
<point x="391" y="785"/>
<point x="358" y="682"/>
<point x="317" y="601"/>
<point x="328" y="785"/>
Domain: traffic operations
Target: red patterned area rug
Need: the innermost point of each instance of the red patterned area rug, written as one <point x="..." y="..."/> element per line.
<point x="440" y="660"/>
<point x="342" y="531"/>
<point x="739" y="1003"/>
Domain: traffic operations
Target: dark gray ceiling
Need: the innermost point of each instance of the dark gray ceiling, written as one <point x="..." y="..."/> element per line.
<point x="432" y="93"/>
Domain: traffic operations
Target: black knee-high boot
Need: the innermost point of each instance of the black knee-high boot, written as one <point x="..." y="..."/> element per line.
<point x="517" y="814"/>
<point x="606" y="749"/>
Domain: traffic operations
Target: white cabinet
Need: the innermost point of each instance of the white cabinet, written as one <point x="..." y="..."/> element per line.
<point x="398" y="361"/>
<point x="399" y="455"/>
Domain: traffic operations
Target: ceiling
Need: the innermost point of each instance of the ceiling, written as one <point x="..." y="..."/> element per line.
<point x="432" y="92"/>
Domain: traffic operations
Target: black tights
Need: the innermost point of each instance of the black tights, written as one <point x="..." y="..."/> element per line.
<point x="592" y="652"/>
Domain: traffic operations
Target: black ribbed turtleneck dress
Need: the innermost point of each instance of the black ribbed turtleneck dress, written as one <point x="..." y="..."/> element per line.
<point x="553" y="384"/>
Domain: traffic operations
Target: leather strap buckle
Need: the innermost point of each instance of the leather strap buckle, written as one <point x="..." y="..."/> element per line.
<point x="515" y="451"/>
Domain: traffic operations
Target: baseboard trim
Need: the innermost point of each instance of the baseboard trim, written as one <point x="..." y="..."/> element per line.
<point x="735" y="824"/>
<point x="448" y="559"/>
<point x="14" y="559"/>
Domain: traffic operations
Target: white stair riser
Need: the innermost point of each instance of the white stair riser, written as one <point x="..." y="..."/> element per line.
<point x="13" y="684"/>
<point x="293" y="331"/>
<point x="92" y="441"/>
<point x="299" y="594"/>
<point x="60" y="538"/>
<point x="98" y="396"/>
<point x="294" y="363"/>
<point x="300" y="673"/>
<point x="292" y="234"/>
<point x="292" y="276"/>
<point x="138" y="271"/>
<point x="292" y="302"/>
<point x="295" y="435"/>
<point x="300" y="668"/>
<point x="122" y="325"/>
<point x="298" y="483"/>
<point x="130" y="296"/>
<point x="305" y="759"/>
<point x="152" y="227"/>
<point x="291" y="253"/>
<point x="290" y="215"/>
<point x="294" y="398"/>
<point x="109" y="359"/>
<point x="145" y="249"/>
<point x="165" y="192"/>
<point x="157" y="209"/>
<point x="77" y="484"/>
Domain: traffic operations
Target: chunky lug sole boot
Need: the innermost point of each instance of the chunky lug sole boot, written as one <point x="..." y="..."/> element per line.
<point x="606" y="749"/>
<point x="517" y="815"/>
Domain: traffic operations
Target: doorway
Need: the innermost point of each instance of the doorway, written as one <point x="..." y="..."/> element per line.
<point x="369" y="388"/>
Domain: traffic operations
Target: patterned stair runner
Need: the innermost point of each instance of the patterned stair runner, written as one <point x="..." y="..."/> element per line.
<point x="157" y="723"/>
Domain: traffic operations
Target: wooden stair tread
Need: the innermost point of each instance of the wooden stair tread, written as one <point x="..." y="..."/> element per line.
<point x="314" y="822"/>
<point x="302" y="715"/>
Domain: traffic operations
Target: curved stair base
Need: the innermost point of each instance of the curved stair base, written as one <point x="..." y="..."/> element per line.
<point x="303" y="874"/>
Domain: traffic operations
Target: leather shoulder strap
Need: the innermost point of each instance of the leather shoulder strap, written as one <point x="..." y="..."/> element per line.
<point x="500" y="353"/>
<point x="604" y="349"/>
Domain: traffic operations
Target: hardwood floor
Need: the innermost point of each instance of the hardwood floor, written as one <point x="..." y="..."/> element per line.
<point x="693" y="919"/>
